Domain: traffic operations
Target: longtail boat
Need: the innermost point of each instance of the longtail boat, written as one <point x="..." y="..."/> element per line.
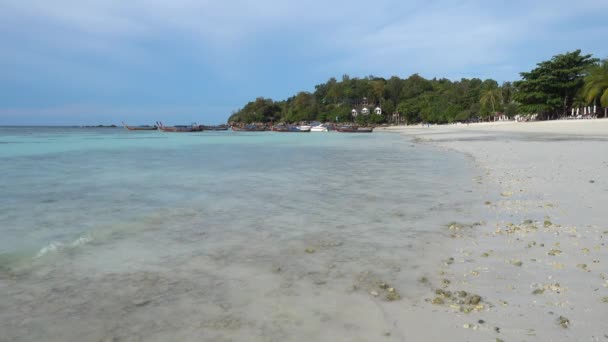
<point x="216" y="128"/>
<point x="354" y="129"/>
<point x="180" y="128"/>
<point x="140" y="128"/>
<point x="249" y="128"/>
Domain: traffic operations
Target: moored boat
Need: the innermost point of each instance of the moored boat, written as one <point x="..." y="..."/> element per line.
<point x="355" y="129"/>
<point x="140" y="128"/>
<point x="216" y="128"/>
<point x="320" y="128"/>
<point x="291" y="129"/>
<point x="180" y="128"/>
<point x="249" y="128"/>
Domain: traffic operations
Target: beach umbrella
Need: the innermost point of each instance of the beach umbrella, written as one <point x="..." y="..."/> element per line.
<point x="572" y="111"/>
<point x="584" y="110"/>
<point x="594" y="109"/>
<point x="577" y="111"/>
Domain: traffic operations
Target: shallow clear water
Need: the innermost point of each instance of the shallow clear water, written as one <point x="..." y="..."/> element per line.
<point x="151" y="235"/>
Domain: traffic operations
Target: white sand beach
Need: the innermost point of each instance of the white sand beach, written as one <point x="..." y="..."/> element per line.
<point x="539" y="261"/>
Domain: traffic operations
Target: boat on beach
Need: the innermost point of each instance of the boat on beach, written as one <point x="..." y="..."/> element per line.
<point x="180" y="128"/>
<point x="140" y="128"/>
<point x="354" y="129"/>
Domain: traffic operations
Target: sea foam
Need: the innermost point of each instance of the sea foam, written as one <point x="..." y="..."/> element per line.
<point x="57" y="246"/>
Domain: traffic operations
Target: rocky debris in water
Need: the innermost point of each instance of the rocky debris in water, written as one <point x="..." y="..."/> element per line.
<point x="460" y="300"/>
<point x="486" y="254"/>
<point x="531" y="244"/>
<point x="518" y="263"/>
<point x="481" y="321"/>
<point x="591" y="181"/>
<point x="423" y="280"/>
<point x="554" y="252"/>
<point x="438" y="301"/>
<point x="376" y="287"/>
<point x="392" y="295"/>
<point x="540" y="289"/>
<point x="449" y="261"/>
<point x="506" y="193"/>
<point x="604" y="299"/>
<point x="497" y="330"/>
<point x="455" y="226"/>
<point x="499" y="340"/>
<point x="487" y="202"/>
<point x="583" y="267"/>
<point x="473" y="300"/>
<point x="445" y="282"/>
<point x="564" y="322"/>
<point x="547" y="223"/>
<point x="521" y="229"/>
<point x="310" y="250"/>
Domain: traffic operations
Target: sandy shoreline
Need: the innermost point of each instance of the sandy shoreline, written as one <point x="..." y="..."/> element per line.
<point x="539" y="260"/>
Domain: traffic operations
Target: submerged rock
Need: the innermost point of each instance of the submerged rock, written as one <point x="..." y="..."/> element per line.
<point x="563" y="322"/>
<point x="438" y="301"/>
<point x="473" y="300"/>
<point x="554" y="252"/>
<point x="518" y="263"/>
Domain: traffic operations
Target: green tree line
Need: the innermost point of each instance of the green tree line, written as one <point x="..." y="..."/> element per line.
<point x="550" y="90"/>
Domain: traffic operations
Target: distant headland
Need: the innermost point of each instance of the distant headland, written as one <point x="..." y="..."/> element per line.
<point x="569" y="85"/>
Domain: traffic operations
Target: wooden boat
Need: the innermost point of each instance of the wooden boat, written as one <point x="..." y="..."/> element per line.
<point x="180" y="128"/>
<point x="249" y="128"/>
<point x="355" y="129"/>
<point x="140" y="128"/>
<point x="216" y="128"/>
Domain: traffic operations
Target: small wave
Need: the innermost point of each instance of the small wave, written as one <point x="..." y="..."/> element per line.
<point x="57" y="246"/>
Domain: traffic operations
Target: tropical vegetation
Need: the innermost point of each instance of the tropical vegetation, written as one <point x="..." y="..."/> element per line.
<point x="550" y="90"/>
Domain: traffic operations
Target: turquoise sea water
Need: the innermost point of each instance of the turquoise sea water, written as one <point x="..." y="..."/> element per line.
<point x="210" y="220"/>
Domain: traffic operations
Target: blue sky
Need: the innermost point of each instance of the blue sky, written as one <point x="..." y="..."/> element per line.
<point x="103" y="61"/>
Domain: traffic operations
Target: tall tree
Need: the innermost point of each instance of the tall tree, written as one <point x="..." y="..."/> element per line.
<point x="549" y="89"/>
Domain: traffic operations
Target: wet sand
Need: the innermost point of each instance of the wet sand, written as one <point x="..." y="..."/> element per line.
<point x="540" y="261"/>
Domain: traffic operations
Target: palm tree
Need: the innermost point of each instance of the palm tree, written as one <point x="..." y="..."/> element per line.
<point x="492" y="96"/>
<point x="596" y="85"/>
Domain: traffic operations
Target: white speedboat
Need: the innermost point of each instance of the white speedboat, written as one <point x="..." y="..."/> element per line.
<point x="304" y="128"/>
<point x="319" y="128"/>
